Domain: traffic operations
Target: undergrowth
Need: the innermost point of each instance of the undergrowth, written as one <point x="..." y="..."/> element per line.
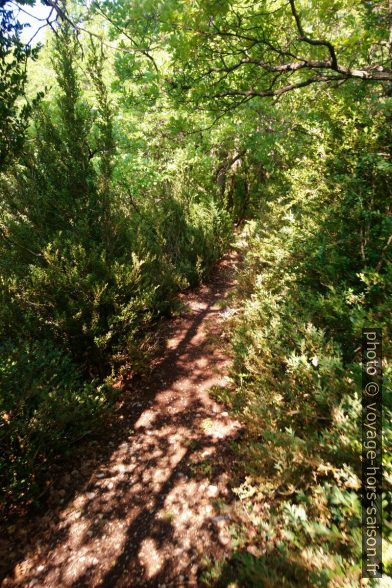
<point x="305" y="293"/>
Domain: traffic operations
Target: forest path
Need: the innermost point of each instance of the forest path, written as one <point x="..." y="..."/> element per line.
<point x="142" y="510"/>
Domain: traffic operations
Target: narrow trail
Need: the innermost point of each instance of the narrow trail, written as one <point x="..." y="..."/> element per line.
<point x="142" y="510"/>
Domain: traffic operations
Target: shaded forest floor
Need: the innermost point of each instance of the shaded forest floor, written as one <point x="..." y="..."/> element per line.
<point x="140" y="505"/>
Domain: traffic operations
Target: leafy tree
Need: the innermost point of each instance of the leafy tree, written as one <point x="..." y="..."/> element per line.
<point x="88" y="259"/>
<point x="229" y="53"/>
<point x="13" y="75"/>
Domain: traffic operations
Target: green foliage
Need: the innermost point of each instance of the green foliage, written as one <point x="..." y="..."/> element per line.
<point x="226" y="54"/>
<point x="317" y="270"/>
<point x="100" y="233"/>
<point x="13" y="58"/>
<point x="125" y="190"/>
<point x="45" y="406"/>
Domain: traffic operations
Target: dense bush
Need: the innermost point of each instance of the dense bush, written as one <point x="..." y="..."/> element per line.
<point x="317" y="270"/>
<point x="88" y="261"/>
<point x="45" y="406"/>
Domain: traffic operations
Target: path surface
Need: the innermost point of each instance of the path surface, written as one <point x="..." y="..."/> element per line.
<point x="142" y="510"/>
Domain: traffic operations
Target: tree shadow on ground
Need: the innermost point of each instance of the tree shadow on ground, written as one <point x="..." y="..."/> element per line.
<point x="105" y="521"/>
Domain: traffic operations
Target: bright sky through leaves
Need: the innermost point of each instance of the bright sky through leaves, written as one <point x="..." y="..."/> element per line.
<point x="34" y="17"/>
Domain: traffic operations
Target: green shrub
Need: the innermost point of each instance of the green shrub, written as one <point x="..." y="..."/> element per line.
<point x="89" y="259"/>
<point x="45" y="407"/>
<point x="317" y="270"/>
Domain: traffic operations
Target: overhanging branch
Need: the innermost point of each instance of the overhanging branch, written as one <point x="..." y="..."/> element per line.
<point x="316" y="42"/>
<point x="278" y="91"/>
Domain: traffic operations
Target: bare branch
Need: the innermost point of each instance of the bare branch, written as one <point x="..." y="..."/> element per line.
<point x="371" y="73"/>
<point x="77" y="27"/>
<point x="304" y="37"/>
<point x="278" y="91"/>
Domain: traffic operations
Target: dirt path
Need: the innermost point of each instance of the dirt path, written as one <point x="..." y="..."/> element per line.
<point x="142" y="511"/>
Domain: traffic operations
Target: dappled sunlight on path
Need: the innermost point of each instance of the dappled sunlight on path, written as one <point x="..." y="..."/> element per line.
<point x="145" y="515"/>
